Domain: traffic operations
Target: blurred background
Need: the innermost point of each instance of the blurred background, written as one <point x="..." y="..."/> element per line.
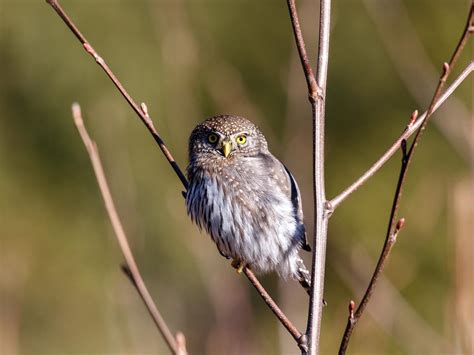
<point x="61" y="288"/>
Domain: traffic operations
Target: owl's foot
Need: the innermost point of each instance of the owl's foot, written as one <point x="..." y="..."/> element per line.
<point x="239" y="265"/>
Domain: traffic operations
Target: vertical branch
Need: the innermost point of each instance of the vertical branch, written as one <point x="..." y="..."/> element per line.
<point x="131" y="268"/>
<point x="322" y="210"/>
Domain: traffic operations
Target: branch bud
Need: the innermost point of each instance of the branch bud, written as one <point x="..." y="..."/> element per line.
<point x="400" y="224"/>
<point x="413" y="117"/>
<point x="445" y="68"/>
<point x="144" y="108"/>
<point x="352" y="306"/>
<point x="181" y="343"/>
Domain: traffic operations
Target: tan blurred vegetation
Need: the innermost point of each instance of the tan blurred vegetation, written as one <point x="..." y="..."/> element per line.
<point x="61" y="290"/>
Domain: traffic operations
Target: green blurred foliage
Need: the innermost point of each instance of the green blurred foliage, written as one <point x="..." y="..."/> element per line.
<point x="61" y="290"/>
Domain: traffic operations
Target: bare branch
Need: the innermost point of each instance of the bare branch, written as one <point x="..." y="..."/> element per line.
<point x="447" y="69"/>
<point x="131" y="268"/>
<point x="409" y="130"/>
<point x="388" y="307"/>
<point x="316" y="93"/>
<point x="394" y="228"/>
<point x="295" y="333"/>
<point x="143" y="115"/>
<point x="468" y="31"/>
<point x="354" y="317"/>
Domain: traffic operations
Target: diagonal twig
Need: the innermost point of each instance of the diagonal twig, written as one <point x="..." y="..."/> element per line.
<point x="447" y="69"/>
<point x="142" y="114"/>
<point x="394" y="228"/>
<point x="407" y="133"/>
<point x="131" y="268"/>
<point x="354" y="317"/>
<point x="313" y="88"/>
<point x="398" y="35"/>
<point x="389" y="308"/>
<point x="295" y="333"/>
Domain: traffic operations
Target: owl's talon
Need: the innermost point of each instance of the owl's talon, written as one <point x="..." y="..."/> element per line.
<point x="239" y="265"/>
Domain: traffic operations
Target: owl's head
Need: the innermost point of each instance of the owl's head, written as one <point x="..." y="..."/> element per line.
<point x="226" y="137"/>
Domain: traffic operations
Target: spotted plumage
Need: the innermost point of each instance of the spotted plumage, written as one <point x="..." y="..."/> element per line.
<point x="245" y="198"/>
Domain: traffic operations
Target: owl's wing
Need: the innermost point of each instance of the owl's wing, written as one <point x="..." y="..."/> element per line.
<point x="296" y="200"/>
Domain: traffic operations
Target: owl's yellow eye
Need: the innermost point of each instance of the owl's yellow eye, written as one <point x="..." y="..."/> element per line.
<point x="242" y="139"/>
<point x="212" y="138"/>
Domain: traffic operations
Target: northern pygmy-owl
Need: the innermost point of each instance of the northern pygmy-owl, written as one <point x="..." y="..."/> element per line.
<point x="245" y="198"/>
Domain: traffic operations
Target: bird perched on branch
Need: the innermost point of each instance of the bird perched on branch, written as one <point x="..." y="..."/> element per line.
<point x="245" y="198"/>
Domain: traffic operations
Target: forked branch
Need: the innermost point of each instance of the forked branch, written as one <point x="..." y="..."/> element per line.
<point x="437" y="101"/>
<point x="393" y="228"/>
<point x="131" y="268"/>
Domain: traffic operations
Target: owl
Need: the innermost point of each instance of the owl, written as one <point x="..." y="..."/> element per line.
<point x="245" y="198"/>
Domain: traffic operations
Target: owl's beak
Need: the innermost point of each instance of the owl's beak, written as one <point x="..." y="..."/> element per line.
<point x="226" y="148"/>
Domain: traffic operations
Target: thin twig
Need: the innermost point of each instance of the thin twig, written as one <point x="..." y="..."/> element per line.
<point x="142" y="112"/>
<point x="393" y="228"/>
<point x="388" y="308"/>
<point x="355" y="316"/>
<point x="447" y="69"/>
<point x="143" y="115"/>
<point x="295" y="333"/>
<point x="131" y="268"/>
<point x="336" y="201"/>
<point x="313" y="87"/>
<point x="399" y="35"/>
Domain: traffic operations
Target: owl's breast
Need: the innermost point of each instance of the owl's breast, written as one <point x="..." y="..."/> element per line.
<point x="249" y="220"/>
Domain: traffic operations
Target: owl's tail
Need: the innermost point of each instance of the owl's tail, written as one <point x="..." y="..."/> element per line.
<point x="303" y="275"/>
